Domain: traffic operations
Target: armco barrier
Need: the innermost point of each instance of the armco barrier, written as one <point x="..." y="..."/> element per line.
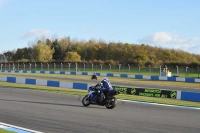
<point x="51" y="83"/>
<point x="189" y="96"/>
<point x="112" y="75"/>
<point x="149" y="92"/>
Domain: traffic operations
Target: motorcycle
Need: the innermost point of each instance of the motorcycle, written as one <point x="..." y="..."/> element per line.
<point x="94" y="77"/>
<point x="100" y="98"/>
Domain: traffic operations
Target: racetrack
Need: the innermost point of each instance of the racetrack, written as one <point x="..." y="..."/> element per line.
<point x="59" y="113"/>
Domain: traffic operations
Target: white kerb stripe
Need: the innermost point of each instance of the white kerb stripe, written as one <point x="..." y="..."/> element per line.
<point x="3" y="78"/>
<point x="7" y="125"/>
<point x="41" y="82"/>
<point x="57" y="72"/>
<point x="131" y="76"/>
<point x="78" y="73"/>
<point x="197" y="80"/>
<point x="66" y="85"/>
<point x="103" y="74"/>
<point x="146" y="77"/>
<point x="20" y="80"/>
<point x="116" y="75"/>
<point x="2" y="126"/>
<point x="67" y="72"/>
<point x="162" y="78"/>
<point x="178" y="96"/>
<point x="90" y="73"/>
<point x="180" y="79"/>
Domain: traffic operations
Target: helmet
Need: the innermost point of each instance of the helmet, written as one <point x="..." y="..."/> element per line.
<point x="105" y="79"/>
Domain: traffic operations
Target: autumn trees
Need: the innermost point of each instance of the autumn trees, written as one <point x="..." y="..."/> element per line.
<point x="67" y="50"/>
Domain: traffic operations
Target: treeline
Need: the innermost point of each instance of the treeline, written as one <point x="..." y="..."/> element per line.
<point x="98" y="51"/>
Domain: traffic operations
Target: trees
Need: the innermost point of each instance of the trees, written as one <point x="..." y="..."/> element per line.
<point x="8" y="55"/>
<point x="57" y="50"/>
<point x="2" y="58"/>
<point x="23" y="53"/>
<point x="72" y="57"/>
<point x="63" y="47"/>
<point x="43" y="52"/>
<point x="96" y="51"/>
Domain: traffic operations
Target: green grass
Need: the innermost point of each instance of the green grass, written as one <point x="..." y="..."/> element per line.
<point x="5" y="131"/>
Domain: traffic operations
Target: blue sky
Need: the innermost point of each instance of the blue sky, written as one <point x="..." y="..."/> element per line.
<point x="163" y="23"/>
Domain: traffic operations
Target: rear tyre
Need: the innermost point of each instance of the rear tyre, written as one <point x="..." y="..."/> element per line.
<point x="86" y="100"/>
<point x="112" y="103"/>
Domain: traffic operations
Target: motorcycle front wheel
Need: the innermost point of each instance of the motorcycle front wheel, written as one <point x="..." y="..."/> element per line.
<point x="86" y="100"/>
<point x="111" y="103"/>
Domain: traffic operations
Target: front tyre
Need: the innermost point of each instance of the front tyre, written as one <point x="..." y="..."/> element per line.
<point x="86" y="100"/>
<point x="111" y="103"/>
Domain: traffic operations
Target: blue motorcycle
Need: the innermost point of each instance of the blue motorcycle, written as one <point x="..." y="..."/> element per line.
<point x="100" y="98"/>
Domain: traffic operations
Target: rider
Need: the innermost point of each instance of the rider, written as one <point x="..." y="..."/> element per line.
<point x="94" y="75"/>
<point x="106" y="86"/>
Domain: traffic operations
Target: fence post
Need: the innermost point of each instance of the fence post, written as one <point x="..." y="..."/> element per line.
<point x="119" y="67"/>
<point x="54" y="66"/>
<point x="177" y="70"/>
<point x="101" y="66"/>
<point x="1" y="66"/>
<point x="30" y="66"/>
<point x="24" y="66"/>
<point x="139" y="68"/>
<point x="128" y="68"/>
<point x="186" y="74"/>
<point x="69" y="66"/>
<point x="48" y="66"/>
<point x="35" y="66"/>
<point x="150" y="69"/>
<point x="84" y="67"/>
<point x="41" y="66"/>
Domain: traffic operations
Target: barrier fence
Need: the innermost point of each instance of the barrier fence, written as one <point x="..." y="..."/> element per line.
<point x="182" y="95"/>
<point x="137" y="76"/>
<point x="180" y="71"/>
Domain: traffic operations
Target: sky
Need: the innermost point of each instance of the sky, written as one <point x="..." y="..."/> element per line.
<point x="172" y="24"/>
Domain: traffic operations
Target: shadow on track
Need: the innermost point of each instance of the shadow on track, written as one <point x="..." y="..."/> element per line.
<point x="72" y="105"/>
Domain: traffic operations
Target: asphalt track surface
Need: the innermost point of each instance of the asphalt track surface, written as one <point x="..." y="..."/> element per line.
<point x="123" y="84"/>
<point x="59" y="113"/>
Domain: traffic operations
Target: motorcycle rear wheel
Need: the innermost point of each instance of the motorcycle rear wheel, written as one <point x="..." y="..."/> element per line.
<point x="85" y="100"/>
<point x="111" y="104"/>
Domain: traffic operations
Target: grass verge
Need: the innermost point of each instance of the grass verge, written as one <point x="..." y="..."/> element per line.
<point x="5" y="131"/>
<point x="84" y="92"/>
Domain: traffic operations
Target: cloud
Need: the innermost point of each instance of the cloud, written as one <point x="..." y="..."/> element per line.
<point x="167" y="38"/>
<point x="36" y="33"/>
<point x="194" y="49"/>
